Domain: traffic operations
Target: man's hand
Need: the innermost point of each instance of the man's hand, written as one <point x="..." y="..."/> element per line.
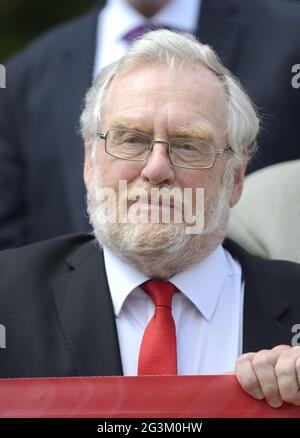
<point x="271" y="374"/>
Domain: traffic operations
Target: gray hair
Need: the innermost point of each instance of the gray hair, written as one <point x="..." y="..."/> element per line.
<point x="175" y="49"/>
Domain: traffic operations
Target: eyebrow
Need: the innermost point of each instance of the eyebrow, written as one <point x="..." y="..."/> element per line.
<point x="123" y="123"/>
<point x="201" y="132"/>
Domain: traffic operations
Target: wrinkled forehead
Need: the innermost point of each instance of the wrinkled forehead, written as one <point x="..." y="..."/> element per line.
<point x="192" y="73"/>
<point x="162" y="89"/>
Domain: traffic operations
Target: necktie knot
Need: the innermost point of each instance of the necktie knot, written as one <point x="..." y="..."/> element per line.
<point x="160" y="291"/>
<point x="139" y="31"/>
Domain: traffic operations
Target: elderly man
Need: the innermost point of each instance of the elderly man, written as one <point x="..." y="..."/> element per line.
<point x="153" y="294"/>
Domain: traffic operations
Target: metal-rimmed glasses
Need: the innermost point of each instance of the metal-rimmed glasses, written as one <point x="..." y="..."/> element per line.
<point x="189" y="153"/>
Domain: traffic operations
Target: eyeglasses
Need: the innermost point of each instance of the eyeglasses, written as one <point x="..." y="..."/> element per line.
<point x="188" y="153"/>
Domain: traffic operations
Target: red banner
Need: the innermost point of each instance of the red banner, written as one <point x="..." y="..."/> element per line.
<point x="135" y="397"/>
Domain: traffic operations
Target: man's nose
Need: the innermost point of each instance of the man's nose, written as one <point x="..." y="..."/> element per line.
<point x="158" y="168"/>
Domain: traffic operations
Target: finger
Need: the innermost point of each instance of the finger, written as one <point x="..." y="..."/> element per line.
<point x="263" y="364"/>
<point x="282" y="347"/>
<point x="246" y="376"/>
<point x="287" y="371"/>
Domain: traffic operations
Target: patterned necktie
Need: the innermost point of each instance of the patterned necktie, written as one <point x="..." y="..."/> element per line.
<point x="158" y="348"/>
<point x="139" y="31"/>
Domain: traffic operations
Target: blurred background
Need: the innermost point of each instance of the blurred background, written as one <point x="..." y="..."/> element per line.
<point x="23" y="20"/>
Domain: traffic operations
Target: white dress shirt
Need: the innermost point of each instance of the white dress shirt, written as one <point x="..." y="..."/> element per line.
<point x="208" y="313"/>
<point x="118" y="17"/>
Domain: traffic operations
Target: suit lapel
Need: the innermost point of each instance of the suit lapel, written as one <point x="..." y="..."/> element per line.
<point x="221" y="25"/>
<point x="264" y="303"/>
<point x="86" y="314"/>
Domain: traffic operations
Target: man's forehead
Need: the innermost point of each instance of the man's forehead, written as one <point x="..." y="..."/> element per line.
<point x="165" y="73"/>
<point x="141" y="101"/>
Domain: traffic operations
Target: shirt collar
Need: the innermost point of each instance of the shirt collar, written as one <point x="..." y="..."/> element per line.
<point x="182" y="15"/>
<point x="202" y="284"/>
<point x="122" y="278"/>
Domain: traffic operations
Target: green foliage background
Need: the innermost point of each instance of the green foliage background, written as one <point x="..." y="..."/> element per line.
<point x="23" y="20"/>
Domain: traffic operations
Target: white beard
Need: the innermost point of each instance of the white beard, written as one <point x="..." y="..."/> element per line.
<point x="161" y="250"/>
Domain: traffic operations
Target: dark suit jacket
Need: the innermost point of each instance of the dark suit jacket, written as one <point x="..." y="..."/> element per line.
<point x="41" y="154"/>
<point x="56" y="306"/>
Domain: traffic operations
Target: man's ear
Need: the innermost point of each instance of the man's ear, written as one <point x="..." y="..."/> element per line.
<point x="237" y="188"/>
<point x="87" y="172"/>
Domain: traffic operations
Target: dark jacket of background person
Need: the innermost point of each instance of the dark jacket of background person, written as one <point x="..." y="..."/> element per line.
<point x="42" y="192"/>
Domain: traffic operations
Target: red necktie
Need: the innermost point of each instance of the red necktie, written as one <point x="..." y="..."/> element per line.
<point x="158" y="347"/>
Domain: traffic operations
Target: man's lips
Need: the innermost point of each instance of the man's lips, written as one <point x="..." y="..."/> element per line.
<point x="144" y="204"/>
